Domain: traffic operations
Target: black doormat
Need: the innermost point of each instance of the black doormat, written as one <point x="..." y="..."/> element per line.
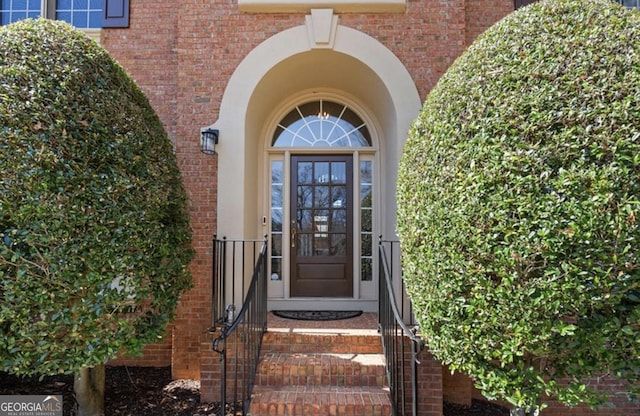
<point x="317" y="315"/>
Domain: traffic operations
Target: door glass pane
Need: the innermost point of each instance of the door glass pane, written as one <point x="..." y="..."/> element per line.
<point x="338" y="172"/>
<point x="339" y="197"/>
<point x="321" y="197"/>
<point x="305" y="172"/>
<point x="304" y="245"/>
<point x="338" y="245"/>
<point x="322" y="172"/>
<point x="305" y="220"/>
<point x="305" y="196"/>
<point x="339" y="221"/>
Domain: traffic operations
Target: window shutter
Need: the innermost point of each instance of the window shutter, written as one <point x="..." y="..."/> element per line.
<point x="521" y="3"/>
<point x="115" y="13"/>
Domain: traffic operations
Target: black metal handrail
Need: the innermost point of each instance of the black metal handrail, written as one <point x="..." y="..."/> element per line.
<point x="247" y="328"/>
<point x="401" y="344"/>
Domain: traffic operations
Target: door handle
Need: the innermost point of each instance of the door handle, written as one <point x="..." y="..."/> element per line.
<point x="293" y="236"/>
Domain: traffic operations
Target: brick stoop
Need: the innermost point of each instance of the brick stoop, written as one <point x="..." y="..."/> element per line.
<point x="307" y="372"/>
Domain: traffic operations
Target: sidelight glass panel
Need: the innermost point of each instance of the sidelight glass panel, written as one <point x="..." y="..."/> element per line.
<point x="366" y="220"/>
<point x="276" y="245"/>
<point x="277" y="212"/>
<point x="276" y="268"/>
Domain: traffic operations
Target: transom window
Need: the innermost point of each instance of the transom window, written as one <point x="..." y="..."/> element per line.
<point x="83" y="14"/>
<point x="322" y="124"/>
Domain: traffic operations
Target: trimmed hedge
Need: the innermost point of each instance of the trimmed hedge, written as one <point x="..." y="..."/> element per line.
<point x="94" y="234"/>
<point x="519" y="192"/>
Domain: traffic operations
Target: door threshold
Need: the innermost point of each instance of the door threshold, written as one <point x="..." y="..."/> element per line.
<point x="323" y="304"/>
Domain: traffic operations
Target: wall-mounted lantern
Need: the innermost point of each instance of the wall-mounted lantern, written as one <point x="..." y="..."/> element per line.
<point x="208" y="140"/>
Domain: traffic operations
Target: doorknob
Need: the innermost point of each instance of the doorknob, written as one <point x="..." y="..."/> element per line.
<point x="294" y="231"/>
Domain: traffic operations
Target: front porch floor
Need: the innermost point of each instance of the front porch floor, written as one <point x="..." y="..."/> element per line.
<point x="365" y="324"/>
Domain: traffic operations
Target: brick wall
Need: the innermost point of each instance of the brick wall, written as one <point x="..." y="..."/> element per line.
<point x="618" y="404"/>
<point x="154" y="355"/>
<point x="456" y="388"/>
<point x="430" y="387"/>
<point x="481" y="14"/>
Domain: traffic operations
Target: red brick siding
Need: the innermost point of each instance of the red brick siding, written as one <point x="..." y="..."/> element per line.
<point x="481" y="14"/>
<point x="154" y="355"/>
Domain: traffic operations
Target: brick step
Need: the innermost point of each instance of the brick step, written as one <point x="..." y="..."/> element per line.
<point x="361" y="342"/>
<point x="327" y="369"/>
<point x="320" y="401"/>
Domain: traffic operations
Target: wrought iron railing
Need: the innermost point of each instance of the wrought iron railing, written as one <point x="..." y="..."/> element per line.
<point x="401" y="344"/>
<point x="240" y="336"/>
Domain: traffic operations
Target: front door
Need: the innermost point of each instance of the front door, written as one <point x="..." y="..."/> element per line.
<point x="321" y="226"/>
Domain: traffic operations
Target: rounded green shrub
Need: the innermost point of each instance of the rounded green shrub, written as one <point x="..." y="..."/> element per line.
<point x="519" y="205"/>
<point x="94" y="233"/>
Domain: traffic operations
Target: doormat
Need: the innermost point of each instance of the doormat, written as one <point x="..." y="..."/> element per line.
<point x="317" y="315"/>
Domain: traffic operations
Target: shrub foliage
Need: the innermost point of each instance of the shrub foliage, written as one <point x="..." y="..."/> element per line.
<point x="94" y="232"/>
<point x="519" y="204"/>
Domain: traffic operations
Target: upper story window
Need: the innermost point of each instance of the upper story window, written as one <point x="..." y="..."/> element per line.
<point x="83" y="14"/>
<point x="80" y="13"/>
<point x="14" y="10"/>
<point x="322" y="124"/>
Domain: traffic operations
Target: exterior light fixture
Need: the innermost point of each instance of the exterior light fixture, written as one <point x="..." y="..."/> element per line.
<point x="209" y="140"/>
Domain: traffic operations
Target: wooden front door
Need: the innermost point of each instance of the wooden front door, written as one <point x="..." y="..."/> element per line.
<point x="321" y="226"/>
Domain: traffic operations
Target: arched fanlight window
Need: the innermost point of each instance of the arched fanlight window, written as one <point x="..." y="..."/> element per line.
<point x="322" y="124"/>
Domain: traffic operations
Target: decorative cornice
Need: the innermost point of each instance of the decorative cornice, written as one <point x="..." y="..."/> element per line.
<point x="338" y="6"/>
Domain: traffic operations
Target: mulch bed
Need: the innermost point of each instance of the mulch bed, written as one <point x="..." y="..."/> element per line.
<point x="477" y="408"/>
<point x="144" y="391"/>
<point x="129" y="391"/>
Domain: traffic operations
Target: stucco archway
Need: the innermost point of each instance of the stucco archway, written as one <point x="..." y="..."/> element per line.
<point x="291" y="61"/>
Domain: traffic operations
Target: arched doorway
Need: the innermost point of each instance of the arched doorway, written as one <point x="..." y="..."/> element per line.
<point x="353" y="69"/>
<point x="322" y="215"/>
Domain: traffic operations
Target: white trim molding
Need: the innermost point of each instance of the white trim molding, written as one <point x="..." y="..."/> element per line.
<point x="339" y="6"/>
